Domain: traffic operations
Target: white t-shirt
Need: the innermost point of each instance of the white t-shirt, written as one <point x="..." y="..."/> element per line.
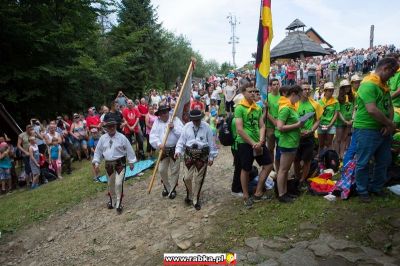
<point x="155" y="99"/>
<point x="215" y="94"/>
<point x="230" y="92"/>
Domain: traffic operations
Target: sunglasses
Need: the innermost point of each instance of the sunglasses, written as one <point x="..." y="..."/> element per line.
<point x="252" y="91"/>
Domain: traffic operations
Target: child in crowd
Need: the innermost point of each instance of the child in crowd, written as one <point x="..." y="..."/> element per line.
<point x="93" y="140"/>
<point x="214" y="108"/>
<point x="34" y="161"/>
<point x="55" y="156"/>
<point x="5" y="168"/>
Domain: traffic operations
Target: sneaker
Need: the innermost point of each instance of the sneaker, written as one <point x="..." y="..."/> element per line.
<point x="248" y="204"/>
<point x="119" y="209"/>
<point x="110" y="205"/>
<point x="285" y="199"/>
<point x="293" y="196"/>
<point x="260" y="198"/>
<point x="237" y="194"/>
<point x="364" y="198"/>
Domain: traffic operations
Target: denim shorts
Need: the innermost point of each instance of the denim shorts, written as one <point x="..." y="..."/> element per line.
<point x="79" y="143"/>
<point x="280" y="150"/>
<point x="331" y="130"/>
<point x="5" y="173"/>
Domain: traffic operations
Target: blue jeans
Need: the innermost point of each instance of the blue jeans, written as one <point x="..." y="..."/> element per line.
<point x="371" y="143"/>
<point x="351" y="150"/>
<point x="312" y="80"/>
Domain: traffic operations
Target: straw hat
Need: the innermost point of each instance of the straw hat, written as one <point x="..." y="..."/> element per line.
<point x="344" y="83"/>
<point x="355" y="77"/>
<point x="329" y="85"/>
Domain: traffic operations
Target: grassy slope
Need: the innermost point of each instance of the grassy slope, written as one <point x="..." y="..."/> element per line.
<point x="25" y="207"/>
<point x="349" y="219"/>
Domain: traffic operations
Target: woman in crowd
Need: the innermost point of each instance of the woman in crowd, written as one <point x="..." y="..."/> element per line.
<point x="149" y="120"/>
<point x="79" y="135"/>
<point x="34" y="161"/>
<point x="327" y="129"/>
<point x="209" y="93"/>
<point x="344" y="121"/>
<point x="289" y="126"/>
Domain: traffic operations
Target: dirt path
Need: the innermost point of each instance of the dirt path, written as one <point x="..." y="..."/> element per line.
<point x="150" y="225"/>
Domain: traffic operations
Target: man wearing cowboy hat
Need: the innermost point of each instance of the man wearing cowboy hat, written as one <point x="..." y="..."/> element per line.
<point x="116" y="150"/>
<point x="197" y="144"/>
<point x="168" y="149"/>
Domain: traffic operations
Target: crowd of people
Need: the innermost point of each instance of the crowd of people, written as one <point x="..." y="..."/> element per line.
<point x="330" y="67"/>
<point x="357" y="119"/>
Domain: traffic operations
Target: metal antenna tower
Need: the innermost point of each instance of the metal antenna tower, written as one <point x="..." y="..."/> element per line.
<point x="234" y="39"/>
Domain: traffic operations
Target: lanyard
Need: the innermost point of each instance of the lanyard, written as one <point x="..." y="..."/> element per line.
<point x="195" y="132"/>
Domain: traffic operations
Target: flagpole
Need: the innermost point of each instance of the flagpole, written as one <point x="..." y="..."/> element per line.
<point x="153" y="177"/>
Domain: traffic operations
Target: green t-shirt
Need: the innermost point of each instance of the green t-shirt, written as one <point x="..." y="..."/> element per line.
<point x="329" y="113"/>
<point x="250" y="122"/>
<point x="394" y="83"/>
<point x="289" y="139"/>
<point x="371" y="93"/>
<point x="305" y="108"/>
<point x="273" y="108"/>
<point x="346" y="109"/>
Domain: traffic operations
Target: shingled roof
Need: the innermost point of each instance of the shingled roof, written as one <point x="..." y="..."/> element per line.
<point x="295" y="44"/>
<point x="297" y="23"/>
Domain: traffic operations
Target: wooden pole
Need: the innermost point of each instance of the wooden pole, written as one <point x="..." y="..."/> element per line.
<point x="153" y="177"/>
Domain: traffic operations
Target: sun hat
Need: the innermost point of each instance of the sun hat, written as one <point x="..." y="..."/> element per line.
<point x="355" y="77"/>
<point x="329" y="85"/>
<point x="344" y="83"/>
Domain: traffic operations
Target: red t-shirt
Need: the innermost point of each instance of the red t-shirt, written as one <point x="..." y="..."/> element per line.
<point x="131" y="116"/>
<point x="143" y="109"/>
<point x="290" y="74"/>
<point x="92" y="121"/>
<point x="197" y="105"/>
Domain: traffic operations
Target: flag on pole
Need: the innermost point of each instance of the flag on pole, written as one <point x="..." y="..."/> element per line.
<point x="183" y="107"/>
<point x="265" y="35"/>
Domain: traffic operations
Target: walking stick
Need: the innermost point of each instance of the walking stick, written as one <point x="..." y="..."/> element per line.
<point x="153" y="177"/>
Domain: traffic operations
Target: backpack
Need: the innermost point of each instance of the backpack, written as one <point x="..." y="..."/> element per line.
<point x="225" y="135"/>
<point x="330" y="160"/>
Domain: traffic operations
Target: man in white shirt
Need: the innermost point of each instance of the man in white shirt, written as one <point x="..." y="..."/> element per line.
<point x="116" y="149"/>
<point x="168" y="159"/>
<point x="197" y="144"/>
<point x="230" y="93"/>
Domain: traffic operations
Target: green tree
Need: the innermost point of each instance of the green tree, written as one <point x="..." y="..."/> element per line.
<point x="225" y="68"/>
<point x="43" y="46"/>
